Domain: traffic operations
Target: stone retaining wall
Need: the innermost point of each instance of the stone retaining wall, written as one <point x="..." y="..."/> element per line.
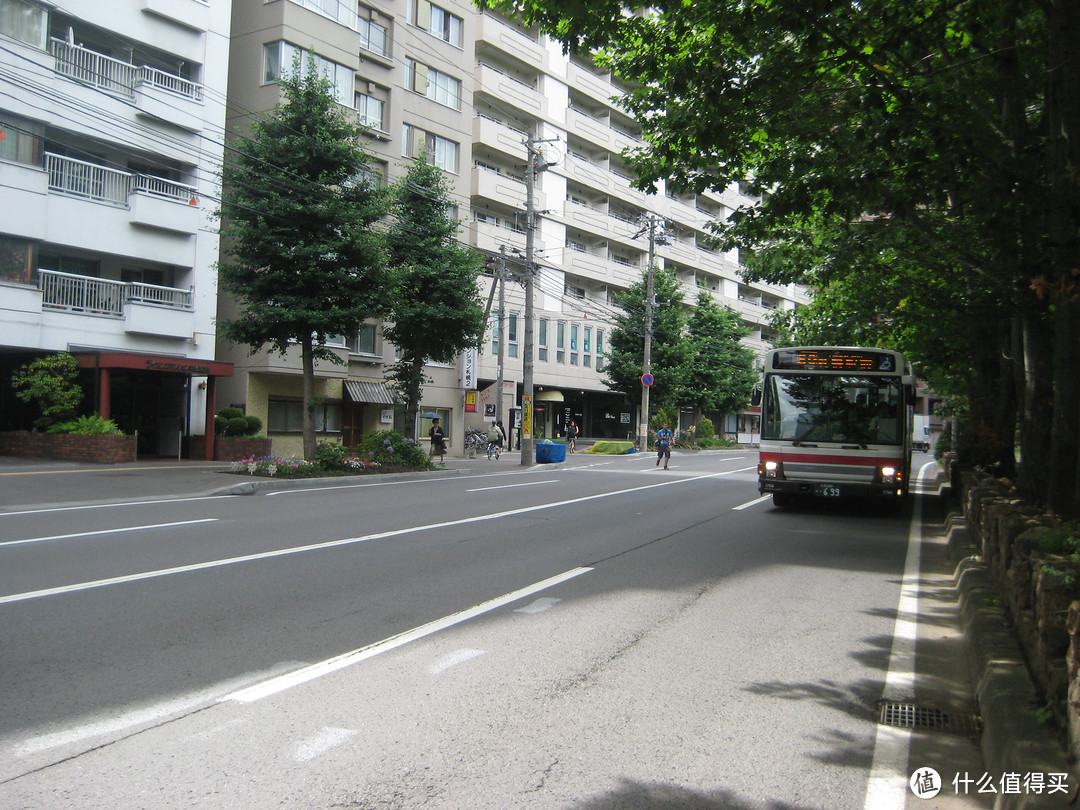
<point x="1039" y="590"/>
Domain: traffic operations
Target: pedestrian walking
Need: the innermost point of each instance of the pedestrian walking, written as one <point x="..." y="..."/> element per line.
<point x="438" y="441"/>
<point x="571" y="436"/>
<point x="663" y="445"/>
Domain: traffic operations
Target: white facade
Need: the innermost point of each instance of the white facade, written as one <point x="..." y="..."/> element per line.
<point x="113" y="119"/>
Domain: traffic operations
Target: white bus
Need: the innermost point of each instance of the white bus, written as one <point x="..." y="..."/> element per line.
<point x="836" y="422"/>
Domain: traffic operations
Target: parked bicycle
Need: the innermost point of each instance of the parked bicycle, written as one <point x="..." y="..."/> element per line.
<point x="475" y="441"/>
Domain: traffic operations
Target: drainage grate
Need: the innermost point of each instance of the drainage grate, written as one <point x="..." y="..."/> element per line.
<point x="928" y="718"/>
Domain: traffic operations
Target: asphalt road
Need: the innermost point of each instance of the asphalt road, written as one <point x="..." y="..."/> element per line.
<point x="600" y="634"/>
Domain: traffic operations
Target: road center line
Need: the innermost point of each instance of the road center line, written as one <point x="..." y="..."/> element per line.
<point x="748" y="504"/>
<point x="511" y="486"/>
<point x="106" y="531"/>
<point x="285" y="552"/>
<point x="310" y="673"/>
<point x="887" y="785"/>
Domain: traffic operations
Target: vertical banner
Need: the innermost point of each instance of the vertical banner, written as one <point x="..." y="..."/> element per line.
<point x="526" y="417"/>
<point x="470" y="402"/>
<point x="469" y="359"/>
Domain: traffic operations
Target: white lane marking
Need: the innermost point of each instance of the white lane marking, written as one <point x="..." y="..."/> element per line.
<point x="538" y="605"/>
<point x="323" y="668"/>
<point x="511" y="486"/>
<point x="284" y="552"/>
<point x="46" y="509"/>
<point x="141" y="715"/>
<point x="887" y="785"/>
<point x="748" y="504"/>
<point x="453" y="659"/>
<point x="312" y="747"/>
<point x="107" y="531"/>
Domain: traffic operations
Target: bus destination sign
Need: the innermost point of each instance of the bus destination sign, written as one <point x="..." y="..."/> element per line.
<point x="834" y="360"/>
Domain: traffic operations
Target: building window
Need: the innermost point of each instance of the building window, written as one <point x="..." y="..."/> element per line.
<point x="440" y="151"/>
<point x="434" y="84"/>
<point x="436" y="21"/>
<point x="599" y="349"/>
<point x="586" y="357"/>
<point x="511" y="335"/>
<point x="372" y="37"/>
<point x="15" y="260"/>
<point x="25" y="22"/>
<point x="560" y="342"/>
<point x="287" y="416"/>
<point x="370" y="111"/>
<point x="541" y="340"/>
<point x="281" y="56"/>
<point x="20" y="140"/>
<point x="573" y="344"/>
<point x="364" y="342"/>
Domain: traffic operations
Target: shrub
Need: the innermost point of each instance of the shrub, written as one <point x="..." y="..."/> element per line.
<point x="50" y="382"/>
<point x="330" y="455"/>
<point x="390" y="447"/>
<point x="232" y="422"/>
<point x="254" y="425"/>
<point x="705" y="429"/>
<point x="87" y="426"/>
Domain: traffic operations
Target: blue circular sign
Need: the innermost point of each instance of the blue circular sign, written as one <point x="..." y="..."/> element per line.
<point x="646" y="379"/>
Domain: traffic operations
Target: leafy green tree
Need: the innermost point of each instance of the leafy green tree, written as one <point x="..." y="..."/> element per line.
<point x="434" y="306"/>
<point x="50" y="382"/>
<point x="925" y="147"/>
<point x="719" y="374"/>
<point x="669" y="349"/>
<point x="302" y="258"/>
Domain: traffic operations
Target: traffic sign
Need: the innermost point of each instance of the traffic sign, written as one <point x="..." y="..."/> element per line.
<point x="646" y="379"/>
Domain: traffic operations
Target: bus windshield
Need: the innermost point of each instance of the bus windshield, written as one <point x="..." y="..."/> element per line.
<point x="826" y="408"/>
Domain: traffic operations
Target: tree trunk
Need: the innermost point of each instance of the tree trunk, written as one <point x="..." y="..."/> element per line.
<point x="307" y="357"/>
<point x="1063" y="127"/>
<point x="1037" y="348"/>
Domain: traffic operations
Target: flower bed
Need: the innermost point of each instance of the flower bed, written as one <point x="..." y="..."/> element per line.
<point x="278" y="467"/>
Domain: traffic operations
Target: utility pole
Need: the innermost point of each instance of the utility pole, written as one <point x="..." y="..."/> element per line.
<point x="646" y="366"/>
<point x="501" y="281"/>
<point x="534" y="164"/>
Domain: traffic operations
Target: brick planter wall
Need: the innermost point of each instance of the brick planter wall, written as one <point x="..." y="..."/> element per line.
<point x="100" y="449"/>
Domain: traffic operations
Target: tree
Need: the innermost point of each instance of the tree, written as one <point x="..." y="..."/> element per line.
<point x="625" y="361"/>
<point x="719" y="373"/>
<point x="435" y="310"/>
<point x="50" y="382"/>
<point x="303" y="261"/>
<point x="899" y="143"/>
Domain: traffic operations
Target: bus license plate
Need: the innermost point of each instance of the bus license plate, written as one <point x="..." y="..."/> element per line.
<point x="827" y="490"/>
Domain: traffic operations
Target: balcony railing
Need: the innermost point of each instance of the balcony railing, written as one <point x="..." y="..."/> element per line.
<point x="113" y="75"/>
<point x="79" y="178"/>
<point x="99" y="296"/>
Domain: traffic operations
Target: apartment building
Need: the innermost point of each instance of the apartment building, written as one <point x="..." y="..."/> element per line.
<point x="470" y="89"/>
<point x="111" y="123"/>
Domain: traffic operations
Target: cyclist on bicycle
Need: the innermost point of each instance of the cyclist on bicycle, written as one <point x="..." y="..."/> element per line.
<point x="495" y="436"/>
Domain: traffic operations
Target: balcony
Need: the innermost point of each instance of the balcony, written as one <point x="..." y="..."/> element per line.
<point x="147" y="309"/>
<point x="157" y="93"/>
<point x="154" y="202"/>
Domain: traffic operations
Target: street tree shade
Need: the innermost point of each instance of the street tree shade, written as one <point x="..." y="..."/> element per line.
<point x="915" y="164"/>
<point x="301" y="258"/>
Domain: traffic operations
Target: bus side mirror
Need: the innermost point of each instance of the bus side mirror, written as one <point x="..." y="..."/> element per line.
<point x="755" y="397"/>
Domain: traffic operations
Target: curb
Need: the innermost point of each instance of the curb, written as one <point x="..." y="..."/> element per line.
<point x="1012" y="741"/>
<point x="260" y="485"/>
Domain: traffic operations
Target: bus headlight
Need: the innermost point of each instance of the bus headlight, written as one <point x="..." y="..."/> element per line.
<point x="889" y="475"/>
<point x="769" y="469"/>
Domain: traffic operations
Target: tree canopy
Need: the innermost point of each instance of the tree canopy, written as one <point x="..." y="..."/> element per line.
<point x="719" y="372"/>
<point x="915" y="163"/>
<point x="302" y="259"/>
<point x="433" y="302"/>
